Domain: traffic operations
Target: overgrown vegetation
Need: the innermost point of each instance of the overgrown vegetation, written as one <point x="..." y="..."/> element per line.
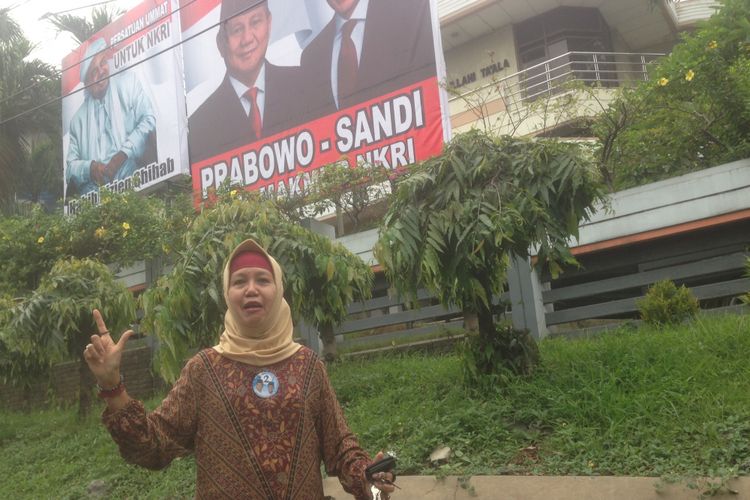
<point x="347" y="192"/>
<point x="455" y="223"/>
<point x="510" y="353"/>
<point x="55" y="323"/>
<point x="693" y="113"/>
<point x="185" y="308"/>
<point x="667" y="304"/>
<point x="24" y="83"/>
<point x="123" y="229"/>
<point x="650" y="402"/>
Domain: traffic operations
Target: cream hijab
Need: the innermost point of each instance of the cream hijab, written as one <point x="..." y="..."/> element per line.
<point x="268" y="342"/>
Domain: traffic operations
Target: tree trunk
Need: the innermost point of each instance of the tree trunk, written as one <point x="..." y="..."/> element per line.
<point x="329" y="342"/>
<point x="486" y="324"/>
<point x="471" y="321"/>
<point x="484" y="314"/>
<point x="85" y="383"/>
<point x="339" y="222"/>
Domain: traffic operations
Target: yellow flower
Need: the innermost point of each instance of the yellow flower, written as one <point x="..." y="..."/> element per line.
<point x="689" y="75"/>
<point x="100" y="232"/>
<point x="40" y="240"/>
<point x="591" y="464"/>
<point x="126" y="226"/>
<point x="663" y="82"/>
<point x="233" y="193"/>
<point x="712" y="44"/>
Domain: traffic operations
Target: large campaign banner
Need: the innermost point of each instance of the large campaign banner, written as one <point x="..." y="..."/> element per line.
<point x="123" y="106"/>
<point x="278" y="88"/>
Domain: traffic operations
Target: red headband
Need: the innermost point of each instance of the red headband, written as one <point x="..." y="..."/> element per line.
<point x="250" y="259"/>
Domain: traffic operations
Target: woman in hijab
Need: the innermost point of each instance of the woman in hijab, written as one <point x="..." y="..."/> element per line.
<point x="257" y="409"/>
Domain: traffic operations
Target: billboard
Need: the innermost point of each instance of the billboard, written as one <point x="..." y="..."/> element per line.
<point x="278" y="88"/>
<point x="123" y="106"/>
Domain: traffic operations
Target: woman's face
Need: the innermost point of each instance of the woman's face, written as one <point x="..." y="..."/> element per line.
<point x="251" y="294"/>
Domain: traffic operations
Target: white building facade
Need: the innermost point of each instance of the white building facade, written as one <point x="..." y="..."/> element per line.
<point x="512" y="65"/>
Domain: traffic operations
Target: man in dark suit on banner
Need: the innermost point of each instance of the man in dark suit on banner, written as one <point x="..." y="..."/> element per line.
<point x="256" y="99"/>
<point x="369" y="48"/>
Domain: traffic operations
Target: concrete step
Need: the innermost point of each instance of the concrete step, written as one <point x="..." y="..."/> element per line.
<point x="552" y="488"/>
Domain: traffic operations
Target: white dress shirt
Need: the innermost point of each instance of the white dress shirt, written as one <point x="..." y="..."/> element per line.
<point x="358" y="37"/>
<point x="260" y="83"/>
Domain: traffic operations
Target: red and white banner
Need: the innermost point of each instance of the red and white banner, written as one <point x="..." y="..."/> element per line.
<point x="124" y="120"/>
<point x="278" y="88"/>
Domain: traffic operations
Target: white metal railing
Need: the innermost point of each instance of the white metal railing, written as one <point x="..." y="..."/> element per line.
<point x="605" y="69"/>
<point x="686" y="13"/>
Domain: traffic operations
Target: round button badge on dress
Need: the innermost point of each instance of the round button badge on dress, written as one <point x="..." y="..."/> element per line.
<point x="265" y="385"/>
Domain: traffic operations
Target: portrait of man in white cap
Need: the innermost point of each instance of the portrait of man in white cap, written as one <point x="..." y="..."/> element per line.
<point x="112" y="134"/>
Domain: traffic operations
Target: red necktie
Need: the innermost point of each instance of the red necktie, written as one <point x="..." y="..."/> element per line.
<point x="257" y="123"/>
<point x="347" y="62"/>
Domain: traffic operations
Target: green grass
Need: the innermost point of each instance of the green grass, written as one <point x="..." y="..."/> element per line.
<point x="646" y="402"/>
<point x="50" y="454"/>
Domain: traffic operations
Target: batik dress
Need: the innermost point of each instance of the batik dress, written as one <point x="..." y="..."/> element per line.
<point x="257" y="432"/>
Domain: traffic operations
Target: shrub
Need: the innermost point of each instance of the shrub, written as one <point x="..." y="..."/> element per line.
<point x="666" y="304"/>
<point x="510" y="353"/>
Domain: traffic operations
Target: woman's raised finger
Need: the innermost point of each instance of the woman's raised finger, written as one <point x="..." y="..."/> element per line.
<point x="100" y="323"/>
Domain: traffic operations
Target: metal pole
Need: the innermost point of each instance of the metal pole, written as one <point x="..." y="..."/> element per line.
<point x="596" y="68"/>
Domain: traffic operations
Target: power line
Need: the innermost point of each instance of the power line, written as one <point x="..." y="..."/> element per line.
<point x="56" y="99"/>
<point x="77" y="8"/>
<point x="17" y="5"/>
<point x="63" y="70"/>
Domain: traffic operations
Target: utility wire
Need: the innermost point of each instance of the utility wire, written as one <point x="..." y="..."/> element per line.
<point x="78" y="8"/>
<point x="57" y="99"/>
<point x="12" y="7"/>
<point x="63" y="70"/>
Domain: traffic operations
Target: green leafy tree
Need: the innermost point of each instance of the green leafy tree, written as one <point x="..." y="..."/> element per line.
<point x="122" y="229"/>
<point x="55" y="323"/>
<point x="350" y="191"/>
<point x="125" y="227"/>
<point x="453" y="224"/>
<point x="185" y="309"/>
<point x="24" y="84"/>
<point x="41" y="171"/>
<point x="28" y="248"/>
<point x="693" y="113"/>
<point x="17" y="368"/>
<point x="82" y="28"/>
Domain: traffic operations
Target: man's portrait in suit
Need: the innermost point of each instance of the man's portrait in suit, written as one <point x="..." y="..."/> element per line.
<point x="256" y="99"/>
<point x="369" y="48"/>
<point x="113" y="133"/>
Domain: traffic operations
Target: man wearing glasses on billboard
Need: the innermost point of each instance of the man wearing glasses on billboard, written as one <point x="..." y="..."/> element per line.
<point x="256" y="99"/>
<point x="113" y="132"/>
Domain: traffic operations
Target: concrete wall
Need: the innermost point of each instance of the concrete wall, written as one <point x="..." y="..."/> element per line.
<point x="61" y="387"/>
<point x="699" y="195"/>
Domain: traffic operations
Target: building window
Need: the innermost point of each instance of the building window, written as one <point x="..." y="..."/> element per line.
<point x="547" y="46"/>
